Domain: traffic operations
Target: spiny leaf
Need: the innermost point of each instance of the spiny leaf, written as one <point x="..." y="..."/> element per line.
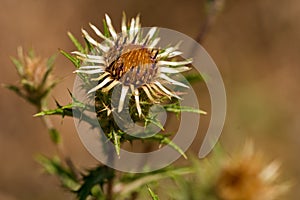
<point x="74" y="99"/>
<point x="97" y="176"/>
<point x="28" y="85"/>
<point x="106" y="30"/>
<point x="54" y="166"/>
<point x="73" y="109"/>
<point x="54" y="135"/>
<point x="153" y="195"/>
<point x="133" y="182"/>
<point x="47" y="72"/>
<point x="117" y="143"/>
<point x="14" y="89"/>
<point x="155" y="121"/>
<point x="61" y="110"/>
<point x="163" y="139"/>
<point x="176" y="108"/>
<point x="131" y="177"/>
<point x="51" y="61"/>
<point x="19" y="66"/>
<point x="73" y="59"/>
<point x="76" y="43"/>
<point x="31" y="53"/>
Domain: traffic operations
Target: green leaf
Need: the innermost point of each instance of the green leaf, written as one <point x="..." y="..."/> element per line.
<point x="51" y="61"/>
<point x="117" y="142"/>
<point x="73" y="109"/>
<point x="49" y="64"/>
<point x="28" y="85"/>
<point x="97" y="192"/>
<point x="76" y="43"/>
<point x="14" y="89"/>
<point x="163" y="139"/>
<point x="194" y="78"/>
<point x="155" y="121"/>
<point x="44" y="81"/>
<point x="133" y="182"/>
<point x="106" y="30"/>
<point x="73" y="59"/>
<point x="54" y="135"/>
<point x="54" y="166"/>
<point x="19" y="66"/>
<point x="153" y="195"/>
<point x="97" y="176"/>
<point x="31" y="53"/>
<point x="176" y="108"/>
<point x="63" y="111"/>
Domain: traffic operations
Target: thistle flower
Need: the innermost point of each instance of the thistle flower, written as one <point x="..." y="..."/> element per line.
<point x="134" y="62"/>
<point x="247" y="177"/>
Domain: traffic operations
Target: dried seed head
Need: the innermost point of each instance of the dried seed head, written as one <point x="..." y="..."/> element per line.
<point x="247" y="177"/>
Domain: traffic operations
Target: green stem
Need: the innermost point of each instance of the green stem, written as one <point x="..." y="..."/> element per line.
<point x="123" y="189"/>
<point x="59" y="146"/>
<point x="109" y="191"/>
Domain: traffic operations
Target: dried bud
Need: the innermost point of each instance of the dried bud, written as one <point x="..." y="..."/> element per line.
<point x="35" y="77"/>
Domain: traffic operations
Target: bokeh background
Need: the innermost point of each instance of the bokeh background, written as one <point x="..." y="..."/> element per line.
<point x="256" y="45"/>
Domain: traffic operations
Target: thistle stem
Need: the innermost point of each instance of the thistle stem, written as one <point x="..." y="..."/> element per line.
<point x="110" y="189"/>
<point x="214" y="9"/>
<point x="59" y="146"/>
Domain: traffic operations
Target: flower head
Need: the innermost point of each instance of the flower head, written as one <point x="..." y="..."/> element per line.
<point x="35" y="76"/>
<point x="241" y="176"/>
<point x="247" y="177"/>
<point x="132" y="61"/>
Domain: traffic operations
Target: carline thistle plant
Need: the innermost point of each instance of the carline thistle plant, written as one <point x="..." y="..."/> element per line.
<point x="133" y="64"/>
<point x="141" y="69"/>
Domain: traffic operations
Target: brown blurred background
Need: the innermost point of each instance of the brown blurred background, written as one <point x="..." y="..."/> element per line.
<point x="256" y="45"/>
